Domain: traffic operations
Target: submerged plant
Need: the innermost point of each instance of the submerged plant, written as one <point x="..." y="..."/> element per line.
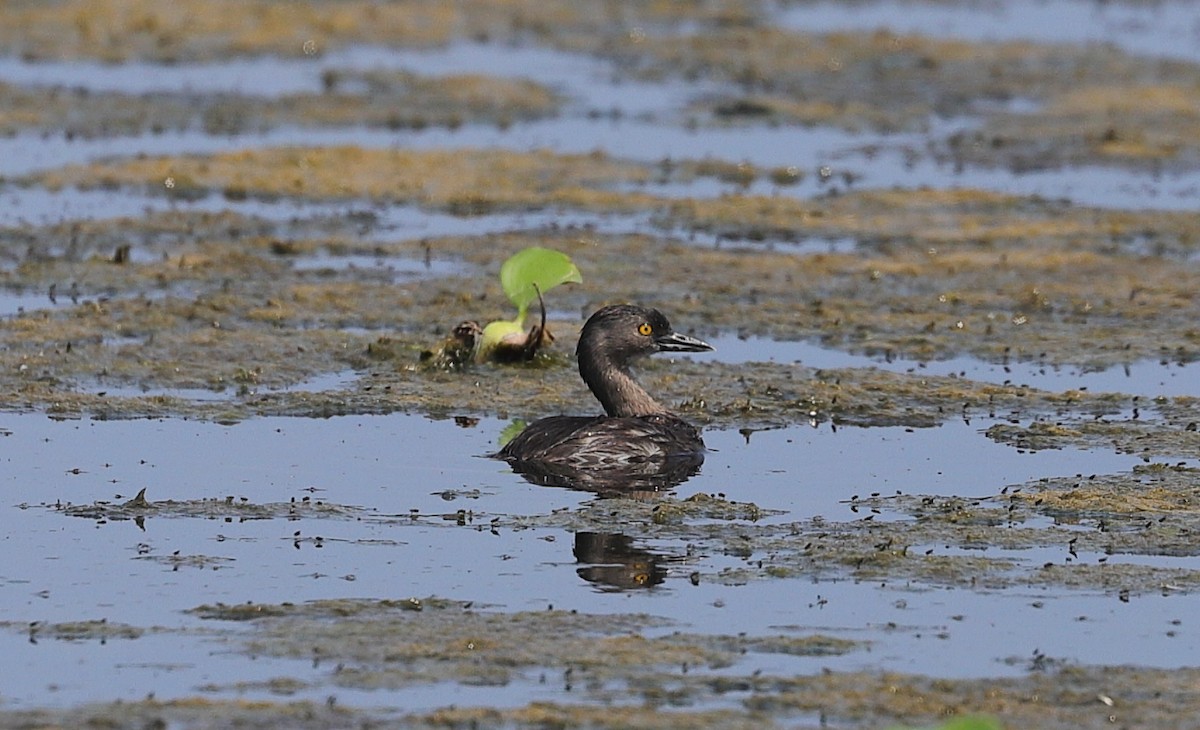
<point x="969" y="722"/>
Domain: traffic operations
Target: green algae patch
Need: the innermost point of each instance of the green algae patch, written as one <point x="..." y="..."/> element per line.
<point x="855" y="80"/>
<point x="184" y="315"/>
<point x="394" y="100"/>
<point x="1152" y="498"/>
<point x="1059" y="698"/>
<point x="989" y="542"/>
<point x="815" y="645"/>
<point x="327" y="608"/>
<point x="978" y="544"/>
<point x="191" y="712"/>
<point x="701" y="506"/>
<point x="391" y="644"/>
<point x="115" y="31"/>
<point x="445" y="100"/>
<point x="1091" y="104"/>
<point x="558" y="714"/>
<point x="1165" y="437"/>
<point x="462" y="181"/>
<point x="228" y="304"/>
<point x="782" y="110"/>
<point x="210" y="30"/>
<point x="282" y="686"/>
<point x="1071" y="697"/>
<point x="100" y="630"/>
<point x="229" y="508"/>
<point x="756" y="395"/>
<point x="1112" y="122"/>
<point x="205" y="713"/>
<point x="962" y="218"/>
<point x="934" y="273"/>
<point x="395" y="646"/>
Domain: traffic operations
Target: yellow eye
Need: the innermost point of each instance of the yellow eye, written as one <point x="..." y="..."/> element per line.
<point x="645" y="329"/>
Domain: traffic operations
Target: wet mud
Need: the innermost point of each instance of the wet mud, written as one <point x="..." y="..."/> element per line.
<point x="301" y="278"/>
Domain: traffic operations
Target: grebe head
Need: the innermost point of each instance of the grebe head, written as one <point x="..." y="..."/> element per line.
<point x="620" y="333"/>
<point x="613" y="338"/>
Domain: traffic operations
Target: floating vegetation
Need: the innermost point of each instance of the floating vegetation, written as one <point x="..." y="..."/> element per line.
<point x="100" y="630"/>
<point x="393" y="101"/>
<point x="392" y="643"/>
<point x="526" y="277"/>
<point x="228" y="508"/>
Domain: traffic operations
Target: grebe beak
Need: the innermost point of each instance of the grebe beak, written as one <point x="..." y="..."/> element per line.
<point x="675" y="342"/>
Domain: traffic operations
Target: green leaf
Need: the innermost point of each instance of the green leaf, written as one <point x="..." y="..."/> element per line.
<point x="544" y="267"/>
<point x="510" y="432"/>
<point x="973" y="722"/>
<point x="969" y="722"/>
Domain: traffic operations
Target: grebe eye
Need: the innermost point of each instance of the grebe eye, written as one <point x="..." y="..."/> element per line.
<point x="645" y="329"/>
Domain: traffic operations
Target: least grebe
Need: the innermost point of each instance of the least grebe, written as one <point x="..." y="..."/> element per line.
<point x="637" y="429"/>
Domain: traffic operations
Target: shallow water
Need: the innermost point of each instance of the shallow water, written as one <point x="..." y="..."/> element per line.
<point x="63" y="568"/>
<point x="12" y="302"/>
<point x="1166" y="29"/>
<point x="1145" y="378"/>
